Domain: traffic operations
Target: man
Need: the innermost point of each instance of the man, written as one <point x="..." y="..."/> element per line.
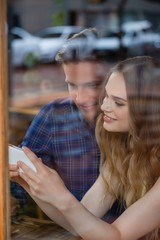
<point x="63" y="132"/>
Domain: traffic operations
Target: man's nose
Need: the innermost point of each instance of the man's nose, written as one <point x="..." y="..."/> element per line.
<point x="81" y="96"/>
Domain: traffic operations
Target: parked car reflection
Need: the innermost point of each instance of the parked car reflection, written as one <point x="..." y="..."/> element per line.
<point x="24" y="48"/>
<point x="134" y="38"/>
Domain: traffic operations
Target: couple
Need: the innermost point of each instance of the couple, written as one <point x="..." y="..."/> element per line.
<point x="128" y="134"/>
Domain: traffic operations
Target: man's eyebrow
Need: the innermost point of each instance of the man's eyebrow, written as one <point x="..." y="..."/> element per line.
<point x="95" y="81"/>
<point x="99" y="78"/>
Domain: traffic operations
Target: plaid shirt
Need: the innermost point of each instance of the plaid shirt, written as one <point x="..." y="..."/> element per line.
<point x="65" y="141"/>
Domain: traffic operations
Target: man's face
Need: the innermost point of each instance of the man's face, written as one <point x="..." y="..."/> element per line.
<point x="84" y="81"/>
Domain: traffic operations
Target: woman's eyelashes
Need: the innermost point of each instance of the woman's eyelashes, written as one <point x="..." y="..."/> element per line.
<point x="119" y="104"/>
<point x="113" y="101"/>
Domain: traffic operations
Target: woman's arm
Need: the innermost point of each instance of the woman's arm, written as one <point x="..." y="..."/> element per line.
<point x="97" y="200"/>
<point x="142" y="217"/>
<point x="54" y="214"/>
<point x="47" y="186"/>
<point x="138" y="220"/>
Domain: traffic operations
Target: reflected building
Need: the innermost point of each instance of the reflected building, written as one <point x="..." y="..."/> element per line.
<point x="83" y="12"/>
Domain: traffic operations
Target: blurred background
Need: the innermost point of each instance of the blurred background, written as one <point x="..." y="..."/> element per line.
<point x="37" y="29"/>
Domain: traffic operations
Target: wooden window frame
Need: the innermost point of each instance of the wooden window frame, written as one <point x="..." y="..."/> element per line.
<point x="4" y="173"/>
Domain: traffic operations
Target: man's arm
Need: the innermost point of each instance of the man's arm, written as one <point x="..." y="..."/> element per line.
<point x="37" y="138"/>
<point x="39" y="135"/>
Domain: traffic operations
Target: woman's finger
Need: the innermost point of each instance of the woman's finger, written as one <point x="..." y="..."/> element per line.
<point x="13" y="174"/>
<point x="13" y="171"/>
<point x="33" y="158"/>
<point x="13" y="167"/>
<point x="27" y="170"/>
<point x="29" y="176"/>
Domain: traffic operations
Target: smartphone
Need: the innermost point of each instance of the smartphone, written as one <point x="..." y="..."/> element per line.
<point x="16" y="154"/>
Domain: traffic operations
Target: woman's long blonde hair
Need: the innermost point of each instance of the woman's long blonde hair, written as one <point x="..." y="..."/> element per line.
<point x="133" y="158"/>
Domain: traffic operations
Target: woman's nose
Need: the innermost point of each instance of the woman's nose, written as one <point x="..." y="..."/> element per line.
<point x="106" y="105"/>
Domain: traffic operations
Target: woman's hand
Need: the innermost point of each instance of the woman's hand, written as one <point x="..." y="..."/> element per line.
<point x="45" y="184"/>
<point x="15" y="177"/>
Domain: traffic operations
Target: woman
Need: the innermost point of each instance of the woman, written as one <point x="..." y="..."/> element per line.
<point x="128" y="133"/>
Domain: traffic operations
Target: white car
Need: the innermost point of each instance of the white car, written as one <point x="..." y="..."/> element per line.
<point x="24" y="48"/>
<point x="135" y="38"/>
<point x="53" y="38"/>
<point x="142" y="39"/>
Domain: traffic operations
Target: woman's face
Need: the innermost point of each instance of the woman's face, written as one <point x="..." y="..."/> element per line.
<point x="115" y="106"/>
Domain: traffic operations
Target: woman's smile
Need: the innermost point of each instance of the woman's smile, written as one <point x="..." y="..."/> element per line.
<point x="108" y="119"/>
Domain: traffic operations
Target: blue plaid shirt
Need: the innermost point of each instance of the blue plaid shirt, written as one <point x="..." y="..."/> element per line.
<point x="65" y="141"/>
